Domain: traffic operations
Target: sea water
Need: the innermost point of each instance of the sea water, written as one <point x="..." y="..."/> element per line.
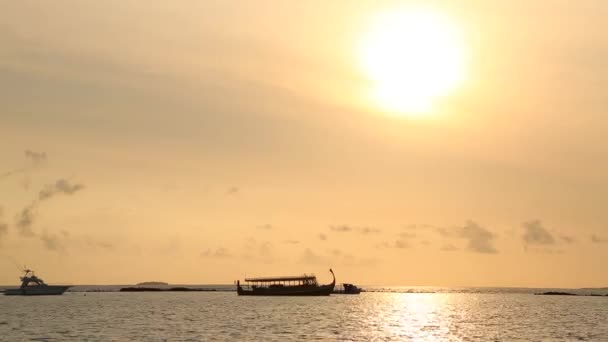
<point x="221" y="316"/>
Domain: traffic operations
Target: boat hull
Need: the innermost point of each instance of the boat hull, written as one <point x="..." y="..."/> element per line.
<point x="324" y="290"/>
<point x="49" y="290"/>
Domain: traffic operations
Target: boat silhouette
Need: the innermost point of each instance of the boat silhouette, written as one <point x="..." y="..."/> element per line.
<point x="31" y="285"/>
<point x="305" y="285"/>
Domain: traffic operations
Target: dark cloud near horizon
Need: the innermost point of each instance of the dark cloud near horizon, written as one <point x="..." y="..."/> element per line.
<point x="62" y="186"/>
<point x="480" y="238"/>
<point x="537" y="235"/>
<point x="598" y="239"/>
<point x="362" y="230"/>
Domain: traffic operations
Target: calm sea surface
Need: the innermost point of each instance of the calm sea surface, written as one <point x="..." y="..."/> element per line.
<point x="220" y="316"/>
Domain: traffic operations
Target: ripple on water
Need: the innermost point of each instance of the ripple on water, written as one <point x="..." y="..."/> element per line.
<point x="218" y="316"/>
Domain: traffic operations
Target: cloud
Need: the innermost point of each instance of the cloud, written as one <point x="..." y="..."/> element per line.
<point x="291" y="242"/>
<point x="407" y="235"/>
<point x="480" y="239"/>
<point x="322" y="237"/>
<point x="51" y="242"/>
<point x="401" y="244"/>
<point x="598" y="239"/>
<point x="220" y="252"/>
<point x="262" y="251"/>
<point x="341" y="228"/>
<point x="232" y="190"/>
<point x="398" y="244"/>
<point x="90" y="242"/>
<point x="25" y="220"/>
<point x="346" y="228"/>
<point x="310" y="257"/>
<point x="567" y="239"/>
<point x="36" y="158"/>
<point x="61" y="186"/>
<point x="536" y="235"/>
<point x="334" y="257"/>
<point x="265" y="227"/>
<point x="3" y="229"/>
<point x="448" y="247"/>
<point x="10" y="173"/>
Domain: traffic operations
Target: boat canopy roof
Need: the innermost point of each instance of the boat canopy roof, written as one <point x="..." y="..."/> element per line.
<point x="294" y="278"/>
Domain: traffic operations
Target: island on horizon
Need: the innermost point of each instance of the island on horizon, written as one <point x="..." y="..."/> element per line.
<point x="152" y="283"/>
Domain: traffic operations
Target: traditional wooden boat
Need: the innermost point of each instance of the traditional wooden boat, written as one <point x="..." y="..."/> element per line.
<point x="305" y="285"/>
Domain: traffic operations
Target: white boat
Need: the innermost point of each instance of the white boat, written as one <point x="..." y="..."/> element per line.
<point x="31" y="285"/>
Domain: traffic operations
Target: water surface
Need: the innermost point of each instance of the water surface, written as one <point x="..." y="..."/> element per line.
<point x="220" y="316"/>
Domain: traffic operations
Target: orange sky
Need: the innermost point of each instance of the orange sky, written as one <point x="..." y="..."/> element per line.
<point x="200" y="142"/>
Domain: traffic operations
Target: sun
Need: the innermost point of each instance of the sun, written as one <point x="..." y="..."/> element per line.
<point x="412" y="57"/>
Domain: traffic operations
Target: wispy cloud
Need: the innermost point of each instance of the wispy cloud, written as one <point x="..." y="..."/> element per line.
<point x="219" y="252"/>
<point x="265" y="227"/>
<point x="255" y="250"/>
<point x="567" y="239"/>
<point x="322" y="237"/>
<point x="480" y="239"/>
<point x="398" y="244"/>
<point x="291" y="242"/>
<point x="36" y="158"/>
<point x="335" y="257"/>
<point x="448" y="247"/>
<point x="232" y="190"/>
<point x="12" y="172"/>
<point x="62" y="186"/>
<point x="3" y="229"/>
<point x="346" y="228"/>
<point x="310" y="257"/>
<point x="25" y="220"/>
<point x="51" y="242"/>
<point x="536" y="235"/>
<point x="598" y="239"/>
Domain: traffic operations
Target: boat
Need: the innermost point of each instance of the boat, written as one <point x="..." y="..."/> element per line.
<point x="348" y="289"/>
<point x="304" y="285"/>
<point x="31" y="285"/>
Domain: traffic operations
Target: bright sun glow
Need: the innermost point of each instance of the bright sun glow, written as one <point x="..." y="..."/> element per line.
<point x="412" y="58"/>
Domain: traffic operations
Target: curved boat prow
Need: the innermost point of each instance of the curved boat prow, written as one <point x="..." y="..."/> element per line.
<point x="333" y="283"/>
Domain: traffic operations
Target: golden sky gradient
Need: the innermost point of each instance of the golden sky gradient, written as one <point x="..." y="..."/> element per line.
<point x="203" y="141"/>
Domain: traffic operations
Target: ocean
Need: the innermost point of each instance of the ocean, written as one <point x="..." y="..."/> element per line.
<point x="406" y="314"/>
